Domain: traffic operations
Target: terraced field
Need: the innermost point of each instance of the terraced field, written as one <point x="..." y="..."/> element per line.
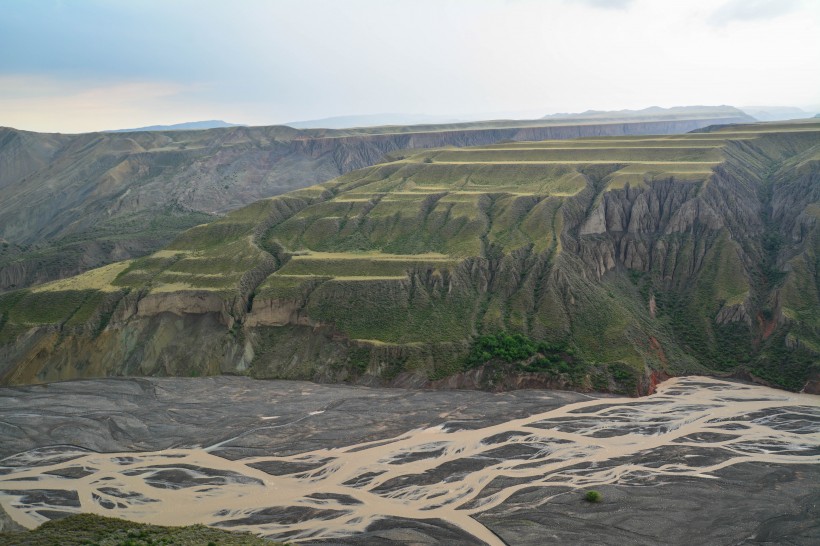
<point x="630" y="256"/>
<point x="374" y="213"/>
<point x="460" y="203"/>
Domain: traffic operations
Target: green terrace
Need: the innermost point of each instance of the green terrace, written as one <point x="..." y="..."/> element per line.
<point x="600" y="154"/>
<point x="424" y="212"/>
<point x="217" y="267"/>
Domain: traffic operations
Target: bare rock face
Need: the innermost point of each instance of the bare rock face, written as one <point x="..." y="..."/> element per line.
<point x="183" y="303"/>
<point x="274" y="313"/>
<point x="733" y="313"/>
<point x="597" y="221"/>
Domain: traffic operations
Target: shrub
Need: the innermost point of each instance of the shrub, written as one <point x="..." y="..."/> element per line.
<point x="509" y="348"/>
<point x="593" y="496"/>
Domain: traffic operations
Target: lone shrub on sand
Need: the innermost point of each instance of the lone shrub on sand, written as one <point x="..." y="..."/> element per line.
<point x="593" y="496"/>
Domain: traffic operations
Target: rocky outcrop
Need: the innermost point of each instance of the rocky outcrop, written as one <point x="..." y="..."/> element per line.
<point x="733" y="313"/>
<point x="184" y="302"/>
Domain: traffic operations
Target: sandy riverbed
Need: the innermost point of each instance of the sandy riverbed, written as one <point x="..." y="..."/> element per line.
<point x="305" y="462"/>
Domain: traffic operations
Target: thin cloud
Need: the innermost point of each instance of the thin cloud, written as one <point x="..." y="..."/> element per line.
<point x="751" y="10"/>
<point x="48" y="104"/>
<point x="607" y="4"/>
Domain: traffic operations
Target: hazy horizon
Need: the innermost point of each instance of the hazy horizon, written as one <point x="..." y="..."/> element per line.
<point x="94" y="65"/>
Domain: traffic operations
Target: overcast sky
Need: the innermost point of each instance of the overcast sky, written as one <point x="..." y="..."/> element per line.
<point x="74" y="65"/>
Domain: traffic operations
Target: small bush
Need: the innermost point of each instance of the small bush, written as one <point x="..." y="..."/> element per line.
<point x="593" y="496"/>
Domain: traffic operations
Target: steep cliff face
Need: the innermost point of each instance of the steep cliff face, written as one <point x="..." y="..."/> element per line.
<point x="606" y="263"/>
<point x="69" y="203"/>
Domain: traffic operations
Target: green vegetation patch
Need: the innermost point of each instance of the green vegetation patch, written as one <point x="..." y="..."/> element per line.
<point x="210" y="235"/>
<point x="96" y="279"/>
<point x="593" y="496"/>
<point x="671" y="141"/>
<point x="282" y="287"/>
<point x="356" y="267"/>
<point x="217" y="267"/>
<point x="393" y="311"/>
<point x="90" y="529"/>
<point x="557" y="361"/>
<point x="32" y="308"/>
<point x="507" y="347"/>
<point x="414" y="225"/>
<point x="572" y="154"/>
<point x="555" y="358"/>
<point x="784" y="365"/>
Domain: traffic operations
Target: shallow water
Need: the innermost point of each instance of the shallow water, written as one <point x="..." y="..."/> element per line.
<point x="691" y="427"/>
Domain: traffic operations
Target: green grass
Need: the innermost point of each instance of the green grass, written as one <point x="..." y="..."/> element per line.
<point x="281" y="287"/>
<point x="572" y="154"/>
<point x="384" y="310"/>
<point x="93" y="530"/>
<point x="671" y="141"/>
<point x="32" y="308"/>
<point x="475" y="177"/>
<point x="366" y="266"/>
<point x="96" y="279"/>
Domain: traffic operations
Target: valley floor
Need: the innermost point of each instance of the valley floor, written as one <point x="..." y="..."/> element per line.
<point x="702" y="461"/>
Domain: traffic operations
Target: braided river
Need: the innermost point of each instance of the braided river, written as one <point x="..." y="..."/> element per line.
<point x="276" y="470"/>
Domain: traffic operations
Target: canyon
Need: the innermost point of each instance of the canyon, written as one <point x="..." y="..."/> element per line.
<point x="603" y="264"/>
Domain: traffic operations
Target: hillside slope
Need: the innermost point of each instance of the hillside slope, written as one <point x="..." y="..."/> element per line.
<point x="602" y="263"/>
<point x="69" y="203"/>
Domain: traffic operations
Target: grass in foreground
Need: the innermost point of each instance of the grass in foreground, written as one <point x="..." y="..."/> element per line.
<point x="90" y="529"/>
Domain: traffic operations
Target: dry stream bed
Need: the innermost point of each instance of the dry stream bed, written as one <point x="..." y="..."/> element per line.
<point x="702" y="461"/>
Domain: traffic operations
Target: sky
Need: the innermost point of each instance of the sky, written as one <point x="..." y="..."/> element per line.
<point x="85" y="65"/>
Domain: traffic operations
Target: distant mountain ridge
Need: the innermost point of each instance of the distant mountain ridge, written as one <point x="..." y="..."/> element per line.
<point x="776" y="113"/>
<point x="356" y="121"/>
<point x="654" y="112"/>
<point x="418" y="121"/>
<point x="189" y="126"/>
<point x="371" y="120"/>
